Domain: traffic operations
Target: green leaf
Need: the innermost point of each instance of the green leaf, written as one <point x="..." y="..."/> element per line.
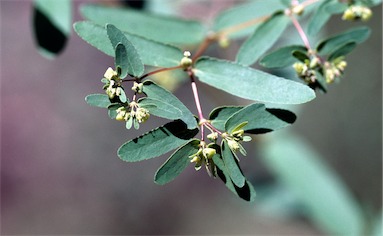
<point x="121" y="62"/>
<point x="160" y="108"/>
<point x="98" y="100"/>
<point x="328" y="202"/>
<point x="151" y="52"/>
<point x="219" y="115"/>
<point x="319" y="17"/>
<point x="357" y="35"/>
<point x="156" y="142"/>
<point x="300" y="55"/>
<point x="231" y="164"/>
<point x="250" y="83"/>
<point x="281" y="57"/>
<point x="132" y="61"/>
<point x="342" y="51"/>
<point x="263" y="38"/>
<point x="164" y="29"/>
<point x="245" y="13"/>
<point x="260" y="119"/>
<point x="52" y="25"/>
<point x="176" y="163"/>
<point x="156" y="92"/>
<point x="246" y="192"/>
<point x="112" y="110"/>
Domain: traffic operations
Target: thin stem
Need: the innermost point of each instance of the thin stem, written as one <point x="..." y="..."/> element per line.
<point x="203" y="46"/>
<point x="241" y="26"/>
<point x="158" y="71"/>
<point x="302" y="34"/>
<point x="197" y="103"/>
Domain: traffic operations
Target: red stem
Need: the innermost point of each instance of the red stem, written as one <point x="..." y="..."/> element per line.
<point x="300" y="31"/>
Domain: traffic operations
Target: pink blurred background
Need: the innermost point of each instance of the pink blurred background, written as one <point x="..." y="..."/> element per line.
<point x="60" y="173"/>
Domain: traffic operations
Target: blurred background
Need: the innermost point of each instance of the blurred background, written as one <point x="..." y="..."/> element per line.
<point x="60" y="173"/>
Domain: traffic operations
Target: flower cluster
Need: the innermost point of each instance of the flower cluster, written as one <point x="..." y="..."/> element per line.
<point x="356" y="12"/>
<point x="133" y="114"/>
<point x="113" y="86"/>
<point x="204" y="156"/>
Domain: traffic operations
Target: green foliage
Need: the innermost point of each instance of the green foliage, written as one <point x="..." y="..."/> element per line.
<point x="262" y="39"/>
<point x="268" y="88"/>
<point x="138" y="39"/>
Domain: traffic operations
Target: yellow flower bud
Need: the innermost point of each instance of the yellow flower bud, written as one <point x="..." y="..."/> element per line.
<point x="142" y="115"/>
<point x="209" y="152"/>
<point x="366" y="14"/>
<point x="224" y="42"/>
<point x="233" y="145"/>
<point x="110" y="73"/>
<point x="298" y="9"/>
<point x="348" y="14"/>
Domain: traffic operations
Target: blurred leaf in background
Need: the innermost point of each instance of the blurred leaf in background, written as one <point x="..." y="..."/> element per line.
<point x="52" y="23"/>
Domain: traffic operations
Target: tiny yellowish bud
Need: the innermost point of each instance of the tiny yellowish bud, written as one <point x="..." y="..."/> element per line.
<point x="299" y="67"/>
<point x="196" y="159"/>
<point x="233" y="145"/>
<point x="121" y="114"/>
<point x="110" y="73"/>
<point x="209" y="152"/>
<point x="341" y="65"/>
<point x="137" y="87"/>
<point x="212" y="136"/>
<point x="298" y="9"/>
<point x="142" y="115"/>
<point x="224" y="42"/>
<point x="314" y="62"/>
<point x="366" y="14"/>
<point x="348" y="14"/>
<point x="329" y="75"/>
<point x="186" y="62"/>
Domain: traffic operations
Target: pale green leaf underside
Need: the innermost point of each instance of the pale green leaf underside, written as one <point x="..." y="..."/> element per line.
<point x="176" y="163"/>
<point x="281" y="57"/>
<point x="251" y="84"/>
<point x="151" y="52"/>
<point x="262" y="39"/>
<point x="164" y="29"/>
<point x="127" y="55"/>
<point x="260" y="119"/>
<point x="156" y="92"/>
<point x="232" y="166"/>
<point x="246" y="192"/>
<point x="160" y="108"/>
<point x="320" y="17"/>
<point x="244" y="13"/>
<point x="98" y="100"/>
<point x="156" y="142"/>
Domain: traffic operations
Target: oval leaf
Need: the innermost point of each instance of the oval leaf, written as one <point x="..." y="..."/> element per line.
<point x="176" y="163"/>
<point x="156" y="142"/>
<point x="232" y="165"/>
<point x="357" y="35"/>
<point x="320" y="17"/>
<point x="246" y="192"/>
<point x="260" y="119"/>
<point x="98" y="100"/>
<point x="164" y="29"/>
<point x="342" y="51"/>
<point x="281" y="57"/>
<point x="152" y="53"/>
<point x="156" y="92"/>
<point x="247" y="12"/>
<point x="219" y="115"/>
<point x="131" y="60"/>
<point x="263" y="38"/>
<point x="160" y="108"/>
<point x="251" y="84"/>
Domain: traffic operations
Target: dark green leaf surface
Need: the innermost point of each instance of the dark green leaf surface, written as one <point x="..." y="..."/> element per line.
<point x="176" y="163"/>
<point x="357" y="35"/>
<point x="121" y="62"/>
<point x="246" y="192"/>
<point x="251" y="84"/>
<point x="151" y="52"/>
<point x="342" y="51"/>
<point x="160" y="108"/>
<point x="156" y="142"/>
<point x="232" y="166"/>
<point x="112" y="110"/>
<point x="98" y="100"/>
<point x="159" y="28"/>
<point x="260" y="119"/>
<point x="281" y="57"/>
<point x="330" y="204"/>
<point x="262" y="39"/>
<point x="244" y="13"/>
<point x="52" y="22"/>
<point x="132" y="64"/>
<point x="154" y="91"/>
<point x="219" y="115"/>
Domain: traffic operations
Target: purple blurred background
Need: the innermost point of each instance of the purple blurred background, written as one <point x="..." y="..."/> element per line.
<point x="60" y="173"/>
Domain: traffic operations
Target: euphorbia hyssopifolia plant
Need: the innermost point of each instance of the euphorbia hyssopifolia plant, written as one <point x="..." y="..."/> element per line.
<point x="136" y="39"/>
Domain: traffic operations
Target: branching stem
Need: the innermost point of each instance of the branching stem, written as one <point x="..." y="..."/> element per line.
<point x="302" y="34"/>
<point x="158" y="71"/>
